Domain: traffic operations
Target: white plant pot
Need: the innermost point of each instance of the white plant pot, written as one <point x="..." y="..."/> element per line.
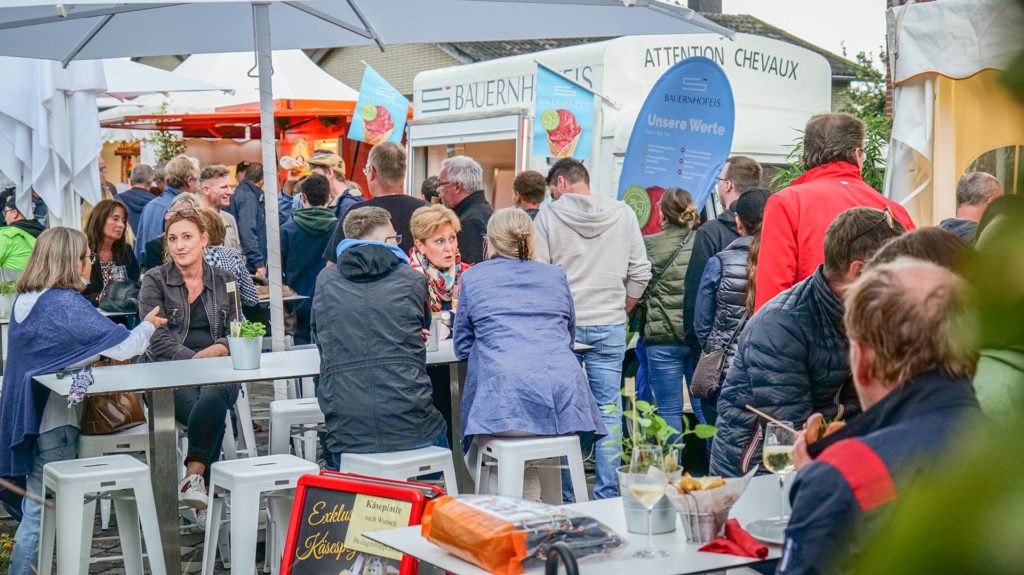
<point x="245" y="352"/>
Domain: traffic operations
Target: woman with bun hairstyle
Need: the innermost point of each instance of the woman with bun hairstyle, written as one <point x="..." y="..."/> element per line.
<point x="662" y="351"/>
<point x="725" y="297"/>
<point x="510" y="309"/>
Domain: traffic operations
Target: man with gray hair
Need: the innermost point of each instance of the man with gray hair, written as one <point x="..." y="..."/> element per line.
<point x="385" y="178"/>
<point x="912" y="367"/>
<point x="373" y="389"/>
<point x="461" y="189"/>
<point x="974" y="192"/>
<point x="136" y="198"/>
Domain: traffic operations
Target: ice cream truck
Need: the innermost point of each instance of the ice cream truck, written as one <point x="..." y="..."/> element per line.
<point x="486" y="110"/>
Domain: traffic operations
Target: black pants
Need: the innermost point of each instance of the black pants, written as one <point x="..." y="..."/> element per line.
<point x="202" y="410"/>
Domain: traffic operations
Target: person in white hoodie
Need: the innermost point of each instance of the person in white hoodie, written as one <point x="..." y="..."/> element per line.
<point x="596" y="240"/>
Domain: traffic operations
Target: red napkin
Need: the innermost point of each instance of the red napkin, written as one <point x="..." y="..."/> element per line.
<point x="736" y="542"/>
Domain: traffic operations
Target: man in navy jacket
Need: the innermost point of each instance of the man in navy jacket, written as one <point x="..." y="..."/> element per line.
<point x="912" y="373"/>
<point x="247" y="207"/>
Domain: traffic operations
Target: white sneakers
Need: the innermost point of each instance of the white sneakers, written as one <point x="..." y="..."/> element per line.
<point x="192" y="492"/>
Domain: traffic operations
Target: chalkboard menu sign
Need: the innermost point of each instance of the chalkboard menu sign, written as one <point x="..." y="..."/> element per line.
<point x="333" y="511"/>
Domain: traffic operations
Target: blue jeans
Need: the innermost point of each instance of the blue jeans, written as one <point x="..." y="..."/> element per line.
<point x="603" y="366"/>
<point x="60" y="444"/>
<point x="334" y="458"/>
<point x="665" y="371"/>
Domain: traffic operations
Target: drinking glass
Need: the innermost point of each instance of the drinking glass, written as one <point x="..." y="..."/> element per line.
<point x="646" y="480"/>
<point x="778" y="458"/>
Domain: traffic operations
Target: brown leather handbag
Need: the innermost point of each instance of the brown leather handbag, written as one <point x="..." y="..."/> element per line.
<point x="111" y="412"/>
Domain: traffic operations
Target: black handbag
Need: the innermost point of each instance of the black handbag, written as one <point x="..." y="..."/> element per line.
<point x="638" y="317"/>
<point x="120" y="296"/>
<point x="707" y="376"/>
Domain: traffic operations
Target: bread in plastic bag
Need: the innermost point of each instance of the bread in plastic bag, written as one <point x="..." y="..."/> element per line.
<point x="505" y="535"/>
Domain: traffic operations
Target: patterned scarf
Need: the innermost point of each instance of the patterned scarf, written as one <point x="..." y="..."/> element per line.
<point x="443" y="284"/>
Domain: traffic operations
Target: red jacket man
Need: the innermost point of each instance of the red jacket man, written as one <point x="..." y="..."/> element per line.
<point x="795" y="219"/>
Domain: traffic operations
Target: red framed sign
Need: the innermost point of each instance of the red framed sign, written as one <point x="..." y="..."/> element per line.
<point x="332" y="511"/>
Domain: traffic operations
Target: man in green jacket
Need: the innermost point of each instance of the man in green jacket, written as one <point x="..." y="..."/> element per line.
<point x="17" y="238"/>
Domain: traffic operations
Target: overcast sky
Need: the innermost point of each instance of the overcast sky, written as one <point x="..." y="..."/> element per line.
<point x="857" y="24"/>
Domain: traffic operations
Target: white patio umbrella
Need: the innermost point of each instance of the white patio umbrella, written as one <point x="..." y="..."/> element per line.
<point x="49" y="133"/>
<point x="91" y="29"/>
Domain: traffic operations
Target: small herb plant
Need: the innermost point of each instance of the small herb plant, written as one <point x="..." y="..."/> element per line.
<point x="652" y="429"/>
<point x="248" y="329"/>
<point x="6" y="546"/>
<point x="7" y="288"/>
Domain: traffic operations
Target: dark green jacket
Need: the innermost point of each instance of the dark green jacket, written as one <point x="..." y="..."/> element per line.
<point x="665" y="302"/>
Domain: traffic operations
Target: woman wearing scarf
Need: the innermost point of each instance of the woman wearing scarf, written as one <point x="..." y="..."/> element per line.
<point x="435" y="252"/>
<point x="39" y="426"/>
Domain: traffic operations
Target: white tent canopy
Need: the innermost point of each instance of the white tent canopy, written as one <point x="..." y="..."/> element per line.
<point x="295" y="77"/>
<point x="128" y="79"/>
<point x="930" y="43"/>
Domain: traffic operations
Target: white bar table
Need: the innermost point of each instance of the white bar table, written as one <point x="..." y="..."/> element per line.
<point x="158" y="381"/>
<point x="759" y="501"/>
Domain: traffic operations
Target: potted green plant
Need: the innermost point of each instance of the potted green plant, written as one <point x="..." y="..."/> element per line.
<point x="645" y="427"/>
<point x="245" y="342"/>
<point x="7" y="295"/>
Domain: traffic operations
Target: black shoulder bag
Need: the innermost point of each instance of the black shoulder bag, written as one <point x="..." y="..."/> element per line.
<point x="707" y="376"/>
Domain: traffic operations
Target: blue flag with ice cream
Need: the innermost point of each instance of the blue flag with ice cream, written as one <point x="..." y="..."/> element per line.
<point x="380" y="111"/>
<point x="563" y="117"/>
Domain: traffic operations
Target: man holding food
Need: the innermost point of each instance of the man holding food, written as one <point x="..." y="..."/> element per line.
<point x="915" y="388"/>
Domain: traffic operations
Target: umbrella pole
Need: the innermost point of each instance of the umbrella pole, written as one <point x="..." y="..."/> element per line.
<point x="261" y="23"/>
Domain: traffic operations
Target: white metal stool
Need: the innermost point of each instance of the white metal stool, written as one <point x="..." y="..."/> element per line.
<point x="134" y="441"/>
<point x="244" y="480"/>
<point x="287" y="413"/>
<point x="513" y="455"/>
<point x="404" y="465"/>
<point x="71" y="481"/>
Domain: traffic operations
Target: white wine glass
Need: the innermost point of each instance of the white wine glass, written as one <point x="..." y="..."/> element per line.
<point x="646" y="480"/>
<point x="777" y="453"/>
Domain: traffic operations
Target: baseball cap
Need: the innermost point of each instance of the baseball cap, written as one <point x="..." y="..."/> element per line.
<point x="750" y="205"/>
<point x="328" y="160"/>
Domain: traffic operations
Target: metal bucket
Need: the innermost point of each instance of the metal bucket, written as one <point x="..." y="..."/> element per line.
<point x="245" y="352"/>
<point x="663" y="515"/>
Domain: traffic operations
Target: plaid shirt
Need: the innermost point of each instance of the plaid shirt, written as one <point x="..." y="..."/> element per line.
<point x="231" y="260"/>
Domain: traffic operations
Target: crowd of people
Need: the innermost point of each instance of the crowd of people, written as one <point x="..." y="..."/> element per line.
<point x="820" y="298"/>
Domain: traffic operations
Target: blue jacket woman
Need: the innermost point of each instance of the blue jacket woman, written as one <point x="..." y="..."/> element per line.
<point x="516" y="325"/>
<point x="52" y="328"/>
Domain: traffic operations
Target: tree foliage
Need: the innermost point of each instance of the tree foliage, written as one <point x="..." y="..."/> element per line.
<point x="169" y="144"/>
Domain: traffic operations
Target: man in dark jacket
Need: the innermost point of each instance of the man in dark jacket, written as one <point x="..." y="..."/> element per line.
<point x="385" y="178"/>
<point x="462" y="190"/>
<point x="303" y="239"/>
<point x="913" y="401"/>
<point x="739" y="173"/>
<point x="791" y="360"/>
<point x="974" y="192"/>
<point x="247" y="207"/>
<point x="138" y="196"/>
<point x="370" y="313"/>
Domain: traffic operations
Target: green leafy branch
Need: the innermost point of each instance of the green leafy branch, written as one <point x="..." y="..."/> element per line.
<point x="652" y="429"/>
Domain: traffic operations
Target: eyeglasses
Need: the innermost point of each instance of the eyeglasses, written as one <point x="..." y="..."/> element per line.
<point x="396" y="237"/>
<point x="886" y="218"/>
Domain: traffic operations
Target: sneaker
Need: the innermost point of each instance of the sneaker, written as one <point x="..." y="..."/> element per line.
<point x="192" y="492"/>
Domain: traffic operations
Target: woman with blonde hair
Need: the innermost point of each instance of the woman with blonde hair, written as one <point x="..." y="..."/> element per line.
<point x="510" y="308"/>
<point x="662" y="348"/>
<point x="53" y="328"/>
<point x="199" y="311"/>
<point x="435" y="252"/>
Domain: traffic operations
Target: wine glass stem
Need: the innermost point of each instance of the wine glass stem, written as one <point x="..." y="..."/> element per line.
<point x="782" y="496"/>
<point x="650" y="529"/>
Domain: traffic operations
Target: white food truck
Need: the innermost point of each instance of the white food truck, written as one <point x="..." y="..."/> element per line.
<point x="485" y="110"/>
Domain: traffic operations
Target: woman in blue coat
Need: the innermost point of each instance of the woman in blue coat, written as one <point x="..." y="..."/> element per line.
<point x="516" y="325"/>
